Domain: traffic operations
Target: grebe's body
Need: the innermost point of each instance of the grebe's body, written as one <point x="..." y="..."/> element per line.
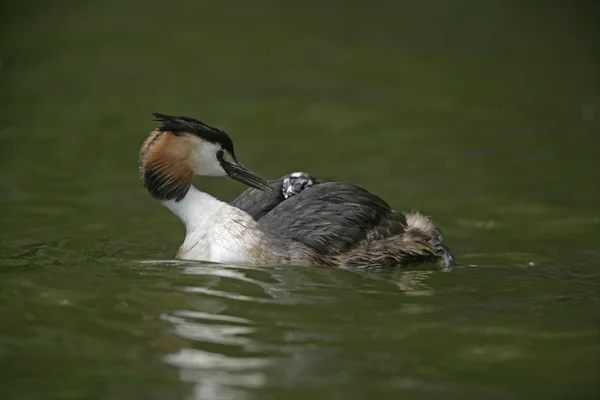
<point x="295" y="220"/>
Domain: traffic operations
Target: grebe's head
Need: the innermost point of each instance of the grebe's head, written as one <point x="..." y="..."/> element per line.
<point x="295" y="183"/>
<point x="182" y="147"/>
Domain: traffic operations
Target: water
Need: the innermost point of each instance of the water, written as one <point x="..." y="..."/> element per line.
<point x="485" y="117"/>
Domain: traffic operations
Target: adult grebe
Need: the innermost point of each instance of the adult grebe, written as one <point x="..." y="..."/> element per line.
<point x="331" y="223"/>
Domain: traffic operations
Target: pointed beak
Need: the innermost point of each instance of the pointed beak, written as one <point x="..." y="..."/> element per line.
<point x="242" y="174"/>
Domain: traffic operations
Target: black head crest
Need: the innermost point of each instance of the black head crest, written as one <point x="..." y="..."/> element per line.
<point x="178" y="125"/>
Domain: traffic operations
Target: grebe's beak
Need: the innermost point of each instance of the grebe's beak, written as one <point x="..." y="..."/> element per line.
<point x="242" y="174"/>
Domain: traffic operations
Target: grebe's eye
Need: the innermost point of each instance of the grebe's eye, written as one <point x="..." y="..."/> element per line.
<point x="220" y="155"/>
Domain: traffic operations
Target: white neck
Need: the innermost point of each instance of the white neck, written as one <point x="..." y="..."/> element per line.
<point x="215" y="230"/>
<point x="195" y="208"/>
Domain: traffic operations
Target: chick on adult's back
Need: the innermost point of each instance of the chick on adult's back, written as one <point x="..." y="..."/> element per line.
<point x="329" y="223"/>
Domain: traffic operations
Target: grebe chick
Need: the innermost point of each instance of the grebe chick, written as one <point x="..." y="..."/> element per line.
<point x="332" y="223"/>
<point x="295" y="183"/>
<point x="258" y="203"/>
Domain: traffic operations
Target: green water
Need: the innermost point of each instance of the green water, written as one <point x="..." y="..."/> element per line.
<point x="485" y="116"/>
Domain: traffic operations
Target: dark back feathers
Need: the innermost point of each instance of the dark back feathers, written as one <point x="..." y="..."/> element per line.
<point x="330" y="218"/>
<point x="258" y="203"/>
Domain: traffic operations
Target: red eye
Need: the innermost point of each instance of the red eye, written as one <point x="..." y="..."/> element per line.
<point x="219" y="155"/>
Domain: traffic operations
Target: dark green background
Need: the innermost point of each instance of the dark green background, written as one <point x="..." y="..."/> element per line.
<point x="484" y="115"/>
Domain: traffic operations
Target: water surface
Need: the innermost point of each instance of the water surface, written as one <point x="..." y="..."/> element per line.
<point x="485" y="117"/>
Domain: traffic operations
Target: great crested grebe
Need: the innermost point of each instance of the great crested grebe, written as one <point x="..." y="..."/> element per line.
<point x="322" y="223"/>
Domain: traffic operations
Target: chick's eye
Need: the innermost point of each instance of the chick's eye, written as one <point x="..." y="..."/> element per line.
<point x="220" y="155"/>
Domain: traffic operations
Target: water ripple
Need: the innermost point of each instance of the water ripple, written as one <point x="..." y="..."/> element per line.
<point x="217" y="376"/>
<point x="227" y="295"/>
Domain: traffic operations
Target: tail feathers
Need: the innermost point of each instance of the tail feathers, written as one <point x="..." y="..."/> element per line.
<point x="421" y="242"/>
<point x="420" y="224"/>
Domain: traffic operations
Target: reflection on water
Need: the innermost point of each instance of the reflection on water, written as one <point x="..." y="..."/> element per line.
<point x="250" y="344"/>
<point x="216" y="376"/>
<point x="240" y="332"/>
<point x="224" y="334"/>
<point x="412" y="283"/>
<point x="222" y="375"/>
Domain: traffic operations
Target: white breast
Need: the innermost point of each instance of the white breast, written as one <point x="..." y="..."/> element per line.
<point x="236" y="241"/>
<point x="216" y="231"/>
